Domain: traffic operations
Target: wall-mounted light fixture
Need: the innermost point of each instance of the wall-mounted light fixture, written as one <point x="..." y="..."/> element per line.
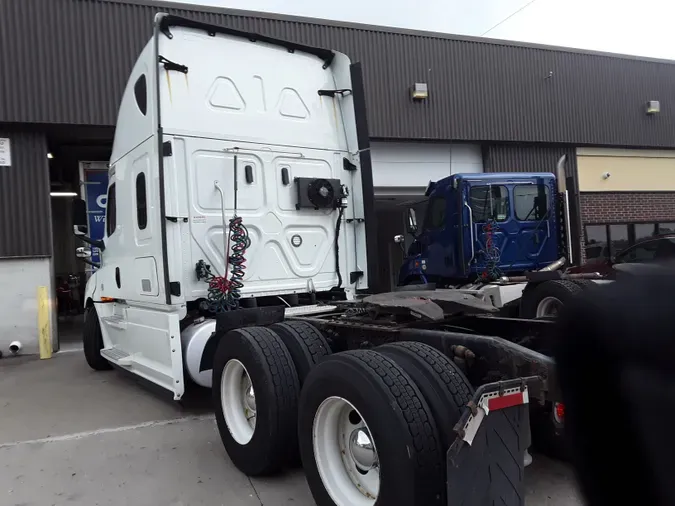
<point x="420" y="91"/>
<point x="63" y="194"/>
<point x="50" y="156"/>
<point x="653" y="107"/>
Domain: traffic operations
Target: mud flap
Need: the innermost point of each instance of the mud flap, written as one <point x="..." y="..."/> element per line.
<point x="486" y="461"/>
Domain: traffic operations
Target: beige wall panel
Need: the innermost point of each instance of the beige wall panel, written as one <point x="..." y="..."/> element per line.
<point x="629" y="170"/>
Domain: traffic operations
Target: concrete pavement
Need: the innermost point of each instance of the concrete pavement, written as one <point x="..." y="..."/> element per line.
<point x="73" y="437"/>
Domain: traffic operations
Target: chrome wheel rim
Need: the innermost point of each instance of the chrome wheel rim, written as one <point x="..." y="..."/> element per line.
<point x="549" y="306"/>
<point x="345" y="454"/>
<point x="238" y="401"/>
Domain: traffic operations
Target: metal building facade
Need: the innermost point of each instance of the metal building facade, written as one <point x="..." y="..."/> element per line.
<point x="65" y="65"/>
<point x="25" y="212"/>
<point x="66" y="61"/>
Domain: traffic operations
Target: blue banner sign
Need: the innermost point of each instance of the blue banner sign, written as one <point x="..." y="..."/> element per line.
<point x="96" y="195"/>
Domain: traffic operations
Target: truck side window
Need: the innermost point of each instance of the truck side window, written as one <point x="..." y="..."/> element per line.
<point x="141" y="94"/>
<point x="489" y="203"/>
<point x="531" y="202"/>
<point x="111" y="211"/>
<point x="141" y="202"/>
<point x="435" y="217"/>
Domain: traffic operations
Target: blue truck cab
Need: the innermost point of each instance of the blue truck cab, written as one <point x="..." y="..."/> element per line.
<point x="483" y="226"/>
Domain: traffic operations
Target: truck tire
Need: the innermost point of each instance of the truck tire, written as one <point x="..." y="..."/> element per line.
<point x="547" y="298"/>
<point x="255" y="397"/>
<point x="346" y="399"/>
<point x="583" y="283"/>
<point x="443" y="385"/>
<point x="305" y="343"/>
<point x="92" y="341"/>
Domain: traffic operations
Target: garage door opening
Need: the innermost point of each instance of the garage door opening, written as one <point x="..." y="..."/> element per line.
<point x="78" y="169"/>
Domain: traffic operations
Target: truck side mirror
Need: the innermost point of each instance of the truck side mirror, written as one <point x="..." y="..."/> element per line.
<point x="80" y="226"/>
<point x="83" y="252"/>
<point x="412" y="221"/>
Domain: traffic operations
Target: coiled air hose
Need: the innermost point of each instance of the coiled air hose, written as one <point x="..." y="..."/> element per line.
<point x="240" y="243"/>
<point x="223" y="294"/>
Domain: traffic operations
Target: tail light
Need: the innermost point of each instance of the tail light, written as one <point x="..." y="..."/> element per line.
<point x="559" y="412"/>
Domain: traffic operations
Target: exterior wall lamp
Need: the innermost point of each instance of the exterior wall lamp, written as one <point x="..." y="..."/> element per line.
<point x="420" y="91"/>
<point x="653" y="107"/>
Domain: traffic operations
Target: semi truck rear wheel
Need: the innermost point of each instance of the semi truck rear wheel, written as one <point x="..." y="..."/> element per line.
<point x="443" y="385"/>
<point x="548" y="298"/>
<point x="92" y="341"/>
<point x="367" y="436"/>
<point x="305" y="343"/>
<point x="255" y="396"/>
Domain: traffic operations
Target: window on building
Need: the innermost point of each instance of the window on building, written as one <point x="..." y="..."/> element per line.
<point x="531" y="202"/>
<point x="141" y="94"/>
<point x="666" y="228"/>
<point x="618" y="238"/>
<point x="141" y="202"/>
<point x="489" y="203"/>
<point x="435" y="217"/>
<point x="596" y="243"/>
<point x="645" y="231"/>
<point x="604" y="241"/>
<point x="111" y="211"/>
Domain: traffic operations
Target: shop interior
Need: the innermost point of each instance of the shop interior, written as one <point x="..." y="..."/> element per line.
<point x="71" y="149"/>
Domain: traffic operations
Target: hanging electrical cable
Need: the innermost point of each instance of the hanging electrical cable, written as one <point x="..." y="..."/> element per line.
<point x="223" y="294"/>
<point x="491" y="252"/>
<point x="336" y="245"/>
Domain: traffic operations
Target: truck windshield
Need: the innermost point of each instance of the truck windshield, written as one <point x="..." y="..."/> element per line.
<point x="531" y="202"/>
<point x="489" y="203"/>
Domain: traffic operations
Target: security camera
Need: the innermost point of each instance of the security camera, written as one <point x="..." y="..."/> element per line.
<point x="606" y="175"/>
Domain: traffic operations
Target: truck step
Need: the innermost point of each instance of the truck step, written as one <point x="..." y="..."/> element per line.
<point x="117" y="356"/>
<point x="289" y="312"/>
<point x="116" y="321"/>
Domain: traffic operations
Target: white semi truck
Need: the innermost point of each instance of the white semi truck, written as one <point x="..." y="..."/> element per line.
<point x="235" y="257"/>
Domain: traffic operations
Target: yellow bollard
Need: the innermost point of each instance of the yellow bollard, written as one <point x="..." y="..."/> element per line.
<point x="44" y="328"/>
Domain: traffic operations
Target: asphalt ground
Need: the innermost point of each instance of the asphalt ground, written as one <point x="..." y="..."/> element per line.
<point x="71" y="436"/>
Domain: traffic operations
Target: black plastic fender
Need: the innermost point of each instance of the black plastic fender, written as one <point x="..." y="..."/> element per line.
<point x="240" y="318"/>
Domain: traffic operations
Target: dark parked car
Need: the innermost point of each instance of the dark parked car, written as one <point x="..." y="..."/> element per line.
<point x="656" y="249"/>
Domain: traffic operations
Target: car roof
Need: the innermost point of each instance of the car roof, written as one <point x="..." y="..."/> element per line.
<point x="655" y="237"/>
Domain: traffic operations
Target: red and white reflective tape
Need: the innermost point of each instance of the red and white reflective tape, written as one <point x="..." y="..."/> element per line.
<point x="493" y="401"/>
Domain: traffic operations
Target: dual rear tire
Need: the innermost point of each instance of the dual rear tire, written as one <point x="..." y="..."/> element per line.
<point x="372" y="426"/>
<point x="546" y="300"/>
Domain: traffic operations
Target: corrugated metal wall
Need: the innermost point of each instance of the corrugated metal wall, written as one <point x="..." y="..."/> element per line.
<point x="25" y="213"/>
<point x="527" y="158"/>
<point x="66" y="61"/>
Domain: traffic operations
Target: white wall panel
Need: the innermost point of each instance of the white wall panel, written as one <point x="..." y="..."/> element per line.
<point x="18" y="301"/>
<point x="406" y="168"/>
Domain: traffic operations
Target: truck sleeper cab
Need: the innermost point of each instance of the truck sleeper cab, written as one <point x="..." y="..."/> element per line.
<point x="235" y="179"/>
<point x="484" y="226"/>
